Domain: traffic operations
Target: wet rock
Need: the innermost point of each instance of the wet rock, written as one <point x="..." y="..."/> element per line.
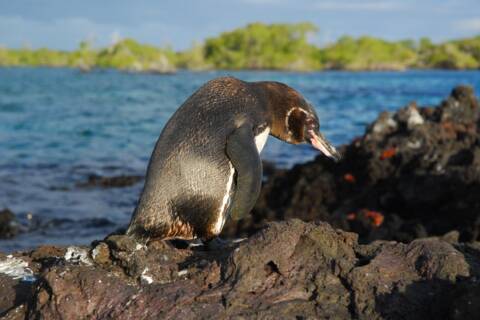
<point x="45" y="256"/>
<point x="384" y="124"/>
<point x="409" y="116"/>
<point x="419" y="168"/>
<point x="268" y="168"/>
<point x="290" y="269"/>
<point x="101" y="253"/>
<point x="110" y="182"/>
<point x="14" y="294"/>
<point x="16" y="285"/>
<point x="461" y="107"/>
<point x="78" y="292"/>
<point x="77" y="255"/>
<point x="9" y="227"/>
<point x="16" y="313"/>
<point x="465" y="303"/>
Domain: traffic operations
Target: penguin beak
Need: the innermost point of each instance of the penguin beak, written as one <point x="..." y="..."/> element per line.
<point x="320" y="143"/>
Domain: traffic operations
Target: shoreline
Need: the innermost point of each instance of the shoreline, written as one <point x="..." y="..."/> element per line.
<point x="180" y="70"/>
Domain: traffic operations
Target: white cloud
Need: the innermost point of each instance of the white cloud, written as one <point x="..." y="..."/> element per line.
<point x="470" y="25"/>
<point x="16" y="31"/>
<point x="66" y="33"/>
<point x="359" y="6"/>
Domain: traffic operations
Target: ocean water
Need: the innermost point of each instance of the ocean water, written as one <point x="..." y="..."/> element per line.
<point x="58" y="126"/>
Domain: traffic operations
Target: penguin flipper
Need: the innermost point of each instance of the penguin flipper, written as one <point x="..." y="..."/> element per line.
<point x="243" y="154"/>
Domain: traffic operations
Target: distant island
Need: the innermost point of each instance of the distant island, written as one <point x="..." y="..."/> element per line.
<point x="260" y="46"/>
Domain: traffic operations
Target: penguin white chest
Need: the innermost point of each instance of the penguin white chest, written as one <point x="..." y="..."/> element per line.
<point x="261" y="139"/>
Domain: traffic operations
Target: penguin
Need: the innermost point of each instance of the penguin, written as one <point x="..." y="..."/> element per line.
<point x="206" y="165"/>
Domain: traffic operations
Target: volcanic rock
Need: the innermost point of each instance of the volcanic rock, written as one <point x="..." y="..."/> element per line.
<point x="292" y="270"/>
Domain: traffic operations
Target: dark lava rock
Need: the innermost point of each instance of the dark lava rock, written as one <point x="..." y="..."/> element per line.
<point x="110" y="182"/>
<point x="289" y="270"/>
<point x="13" y="295"/>
<point x="9" y="227"/>
<point x="414" y="173"/>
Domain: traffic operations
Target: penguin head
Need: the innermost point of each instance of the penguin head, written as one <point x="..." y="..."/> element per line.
<point x="294" y="120"/>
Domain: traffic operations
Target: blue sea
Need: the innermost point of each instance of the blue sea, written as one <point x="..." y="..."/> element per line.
<point x="58" y="126"/>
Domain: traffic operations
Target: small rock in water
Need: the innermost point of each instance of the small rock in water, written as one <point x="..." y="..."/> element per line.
<point x="110" y="182"/>
<point x="8" y="225"/>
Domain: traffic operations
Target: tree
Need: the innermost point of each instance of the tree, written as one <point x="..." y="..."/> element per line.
<point x="261" y="46"/>
<point x="367" y="53"/>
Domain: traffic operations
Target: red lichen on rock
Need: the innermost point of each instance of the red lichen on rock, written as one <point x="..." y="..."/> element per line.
<point x="376" y="217"/>
<point x="388" y="153"/>
<point x="348" y="177"/>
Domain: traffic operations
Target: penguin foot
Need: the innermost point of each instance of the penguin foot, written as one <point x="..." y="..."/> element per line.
<point x="238" y="240"/>
<point x="213" y="244"/>
<point x="178" y="243"/>
<point x="185" y="244"/>
<point x="195" y="243"/>
<point x="217" y="243"/>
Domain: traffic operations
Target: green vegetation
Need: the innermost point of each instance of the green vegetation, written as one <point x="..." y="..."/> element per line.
<point x="126" y="55"/>
<point x="368" y="53"/>
<point x="459" y="54"/>
<point x="260" y="46"/>
<point x="132" y="56"/>
<point x="40" y="57"/>
<point x="193" y="59"/>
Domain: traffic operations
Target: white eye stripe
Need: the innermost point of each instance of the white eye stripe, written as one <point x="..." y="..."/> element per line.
<point x="288" y="117"/>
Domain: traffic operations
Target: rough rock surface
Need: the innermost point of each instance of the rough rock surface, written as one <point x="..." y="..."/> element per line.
<point x="414" y="173"/>
<point x="289" y="270"/>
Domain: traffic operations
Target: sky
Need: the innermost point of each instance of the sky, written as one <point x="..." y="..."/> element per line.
<point x="62" y="24"/>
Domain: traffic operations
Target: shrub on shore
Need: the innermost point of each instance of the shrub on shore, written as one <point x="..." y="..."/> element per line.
<point x="260" y="46"/>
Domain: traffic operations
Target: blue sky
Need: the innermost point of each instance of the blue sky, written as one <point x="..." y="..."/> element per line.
<point x="62" y="24"/>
